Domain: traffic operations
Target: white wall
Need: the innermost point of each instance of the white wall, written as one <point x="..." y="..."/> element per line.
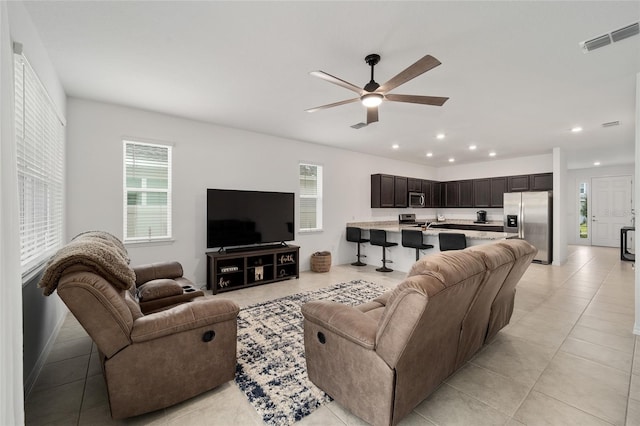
<point x="574" y="178"/>
<point x="496" y="168"/>
<point x="211" y="156"/>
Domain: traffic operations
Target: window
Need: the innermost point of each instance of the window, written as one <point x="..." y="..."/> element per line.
<point x="40" y="141"/>
<point x="584" y="223"/>
<point x="147" y="191"/>
<point x="310" y="197"/>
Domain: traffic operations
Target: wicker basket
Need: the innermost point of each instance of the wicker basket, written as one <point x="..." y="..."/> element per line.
<point x="321" y="261"/>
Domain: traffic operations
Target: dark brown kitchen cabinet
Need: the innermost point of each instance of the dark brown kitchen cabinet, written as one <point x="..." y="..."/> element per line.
<point x="466" y="193"/>
<point x="489" y="192"/>
<point x="436" y="196"/>
<point x="498" y="188"/>
<point x="541" y="182"/>
<point x="517" y="183"/>
<point x="451" y="194"/>
<point x="414" y="185"/>
<point x="427" y="190"/>
<point x="389" y="191"/>
<point x="401" y="190"/>
<point x="382" y="191"/>
<point x="482" y="192"/>
<point x="393" y="191"/>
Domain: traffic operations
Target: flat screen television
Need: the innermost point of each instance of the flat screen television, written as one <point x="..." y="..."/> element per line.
<point x="243" y="218"/>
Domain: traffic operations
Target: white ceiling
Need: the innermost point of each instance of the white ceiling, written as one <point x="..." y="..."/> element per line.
<point x="515" y="74"/>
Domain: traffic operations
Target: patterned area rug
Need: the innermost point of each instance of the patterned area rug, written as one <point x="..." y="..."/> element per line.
<point x="271" y="368"/>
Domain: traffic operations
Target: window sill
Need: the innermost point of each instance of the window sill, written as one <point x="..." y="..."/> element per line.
<point x="38" y="269"/>
<point x="147" y="243"/>
<point x="311" y="231"/>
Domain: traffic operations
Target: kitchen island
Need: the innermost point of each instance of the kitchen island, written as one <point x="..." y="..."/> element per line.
<point x="404" y="257"/>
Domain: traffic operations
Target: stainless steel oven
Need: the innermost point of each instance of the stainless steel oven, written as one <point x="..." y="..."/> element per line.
<point x="416" y="199"/>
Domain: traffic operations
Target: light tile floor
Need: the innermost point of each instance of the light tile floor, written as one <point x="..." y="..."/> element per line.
<point x="567" y="358"/>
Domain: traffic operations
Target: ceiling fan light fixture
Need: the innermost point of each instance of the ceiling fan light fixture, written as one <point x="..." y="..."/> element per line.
<point x="371" y="99"/>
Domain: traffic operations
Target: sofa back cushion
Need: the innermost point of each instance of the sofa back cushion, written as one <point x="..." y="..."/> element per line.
<point x="499" y="261"/>
<point x="100" y="308"/>
<point x="421" y="342"/>
<point x="502" y="306"/>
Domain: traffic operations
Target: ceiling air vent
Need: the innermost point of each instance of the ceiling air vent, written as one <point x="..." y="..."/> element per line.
<point x="625" y="32"/>
<point x="611" y="124"/>
<point x="614" y="36"/>
<point x="359" y="126"/>
<point x="596" y="43"/>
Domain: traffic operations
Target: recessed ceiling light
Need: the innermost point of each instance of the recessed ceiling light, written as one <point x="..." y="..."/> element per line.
<point x="596" y="163"/>
<point x="395" y="146"/>
<point x="451" y="160"/>
<point x="492" y="154"/>
<point x="576" y="129"/>
<point x="472" y="147"/>
<point x="429" y="154"/>
<point x="440" y="136"/>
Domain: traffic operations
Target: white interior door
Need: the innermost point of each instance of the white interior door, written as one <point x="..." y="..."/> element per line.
<point x="610" y="209"/>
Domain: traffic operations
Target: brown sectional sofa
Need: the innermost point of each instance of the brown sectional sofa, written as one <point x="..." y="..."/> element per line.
<point x="382" y="358"/>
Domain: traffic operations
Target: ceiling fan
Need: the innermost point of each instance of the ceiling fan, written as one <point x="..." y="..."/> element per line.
<point x="372" y="94"/>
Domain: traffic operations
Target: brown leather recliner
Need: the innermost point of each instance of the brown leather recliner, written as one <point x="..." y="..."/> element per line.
<point x="149" y="361"/>
<point x="382" y="358"/>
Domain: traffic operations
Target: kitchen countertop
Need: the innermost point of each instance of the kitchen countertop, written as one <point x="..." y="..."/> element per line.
<point x="394" y="226"/>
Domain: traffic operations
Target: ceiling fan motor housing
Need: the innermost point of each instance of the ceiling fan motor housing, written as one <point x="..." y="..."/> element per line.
<point x="372" y="60"/>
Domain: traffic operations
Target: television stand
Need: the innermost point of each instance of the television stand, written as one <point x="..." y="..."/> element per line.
<point x="248" y="267"/>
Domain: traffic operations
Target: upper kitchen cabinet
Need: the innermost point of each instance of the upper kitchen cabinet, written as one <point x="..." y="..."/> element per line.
<point x="489" y="192"/>
<point x="498" y="188"/>
<point x="414" y="185"/>
<point x="382" y="191"/>
<point x="466" y="193"/>
<point x="541" y="182"/>
<point x="389" y="191"/>
<point x="436" y="195"/>
<point x="482" y="192"/>
<point x="427" y="190"/>
<point x="518" y="183"/>
<point x="401" y="189"/>
<point x="451" y="194"/>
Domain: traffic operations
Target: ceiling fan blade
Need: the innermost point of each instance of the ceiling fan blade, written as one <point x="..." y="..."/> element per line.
<point x="335" y="104"/>
<point x="335" y="80"/>
<point x="372" y="115"/>
<point x="414" y="99"/>
<point x="421" y="66"/>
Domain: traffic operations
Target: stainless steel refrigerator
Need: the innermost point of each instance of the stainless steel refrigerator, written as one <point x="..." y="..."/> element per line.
<point x="530" y="214"/>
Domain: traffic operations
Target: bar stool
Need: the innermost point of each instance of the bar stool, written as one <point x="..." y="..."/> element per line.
<point x="354" y="235"/>
<point x="413" y="238"/>
<point x="452" y="241"/>
<point x="379" y="238"/>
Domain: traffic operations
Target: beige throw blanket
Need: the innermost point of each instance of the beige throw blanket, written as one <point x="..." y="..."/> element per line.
<point x="95" y="252"/>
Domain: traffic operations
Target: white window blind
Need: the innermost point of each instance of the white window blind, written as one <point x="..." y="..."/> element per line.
<point x="310" y="197"/>
<point x="40" y="140"/>
<point x="147" y="191"/>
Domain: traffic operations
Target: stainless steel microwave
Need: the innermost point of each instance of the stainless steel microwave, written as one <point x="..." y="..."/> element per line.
<point x="416" y="199"/>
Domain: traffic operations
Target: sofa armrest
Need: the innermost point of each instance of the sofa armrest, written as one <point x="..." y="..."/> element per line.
<point x="343" y="320"/>
<point x="184" y="317"/>
<point x="153" y="271"/>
